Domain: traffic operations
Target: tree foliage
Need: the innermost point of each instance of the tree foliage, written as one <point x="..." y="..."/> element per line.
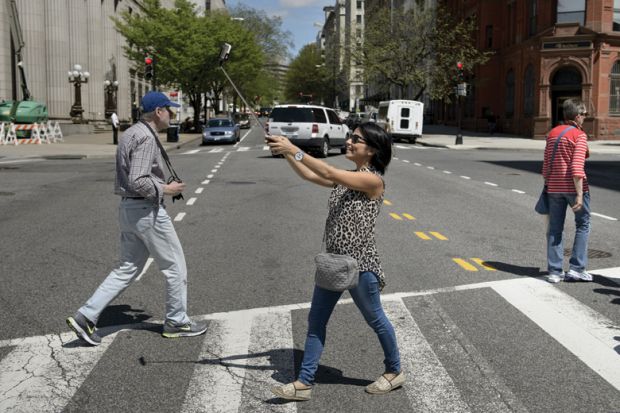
<point x="307" y="75"/>
<point x="418" y="47"/>
<point x="186" y="48"/>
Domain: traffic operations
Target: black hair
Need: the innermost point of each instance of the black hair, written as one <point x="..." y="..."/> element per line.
<point x="380" y="141"/>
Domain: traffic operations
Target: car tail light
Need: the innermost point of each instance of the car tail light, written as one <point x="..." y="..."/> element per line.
<point x="315" y="128"/>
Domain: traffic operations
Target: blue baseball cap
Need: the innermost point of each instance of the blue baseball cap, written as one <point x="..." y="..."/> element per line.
<point x="153" y="100"/>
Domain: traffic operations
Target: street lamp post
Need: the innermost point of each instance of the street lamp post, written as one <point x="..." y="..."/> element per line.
<point x="110" y="88"/>
<point x="77" y="77"/>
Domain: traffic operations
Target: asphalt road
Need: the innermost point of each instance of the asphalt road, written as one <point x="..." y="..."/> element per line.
<point x="491" y="339"/>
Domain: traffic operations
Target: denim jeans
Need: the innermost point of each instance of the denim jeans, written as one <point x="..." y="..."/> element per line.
<point x="145" y="230"/>
<point x="558" y="203"/>
<point x="367" y="298"/>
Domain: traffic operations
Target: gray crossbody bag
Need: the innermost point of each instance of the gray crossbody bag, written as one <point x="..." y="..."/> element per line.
<point x="335" y="272"/>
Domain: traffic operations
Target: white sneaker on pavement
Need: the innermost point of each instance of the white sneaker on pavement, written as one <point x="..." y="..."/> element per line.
<point x="573" y="275"/>
<point x="554" y="278"/>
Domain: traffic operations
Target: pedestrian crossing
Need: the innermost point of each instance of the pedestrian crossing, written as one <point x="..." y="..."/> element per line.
<point x="246" y="352"/>
<point x="220" y="149"/>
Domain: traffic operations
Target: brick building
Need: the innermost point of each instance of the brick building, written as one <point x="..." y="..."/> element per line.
<point x="545" y="51"/>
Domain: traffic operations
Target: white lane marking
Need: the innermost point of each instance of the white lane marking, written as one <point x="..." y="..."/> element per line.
<point x="180" y="216"/>
<point x="243" y="149"/>
<point x="42" y="375"/>
<point x="149" y="261"/>
<point x="417" y="164"/>
<point x="604" y="216"/>
<point x="22" y="161"/>
<point x="210" y="176"/>
<point x="199" y="190"/>
<point x="213" y="171"/>
<point x="583" y="331"/>
<point x="218" y="377"/>
<point x="395" y="158"/>
<point x="271" y="364"/>
<point x="432" y="390"/>
<point x="205" y="182"/>
<point x="607" y="272"/>
<point x="217" y="166"/>
<point x="266" y="148"/>
<point x="191" y="152"/>
<point x="405" y="161"/>
<point x="518" y="191"/>
<point x="490" y="183"/>
<point x="465" y="177"/>
<point x="244" y="136"/>
<point x="430" y="167"/>
<point x="191" y="201"/>
<point x="216" y="150"/>
<point x="447" y="172"/>
<point x="401" y="147"/>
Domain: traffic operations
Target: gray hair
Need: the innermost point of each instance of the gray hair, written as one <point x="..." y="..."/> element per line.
<point x="572" y="108"/>
<point x="148" y="116"/>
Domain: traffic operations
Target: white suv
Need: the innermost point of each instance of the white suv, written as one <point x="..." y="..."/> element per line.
<point x="312" y="128"/>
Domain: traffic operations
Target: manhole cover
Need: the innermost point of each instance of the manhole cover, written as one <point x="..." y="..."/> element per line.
<point x="591" y="253"/>
<point x="6" y="193"/>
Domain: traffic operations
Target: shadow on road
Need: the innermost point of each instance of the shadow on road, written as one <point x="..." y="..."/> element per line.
<point x="516" y="269"/>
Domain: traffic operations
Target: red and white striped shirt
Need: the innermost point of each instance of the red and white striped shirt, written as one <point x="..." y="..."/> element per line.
<point x="569" y="160"/>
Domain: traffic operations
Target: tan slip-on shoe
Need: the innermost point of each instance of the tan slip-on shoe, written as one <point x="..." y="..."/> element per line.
<point x="383" y="385"/>
<point x="289" y="392"/>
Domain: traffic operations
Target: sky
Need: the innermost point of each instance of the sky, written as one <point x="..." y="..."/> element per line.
<point x="298" y="16"/>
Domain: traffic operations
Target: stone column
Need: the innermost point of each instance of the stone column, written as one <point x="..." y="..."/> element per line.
<point x="78" y="46"/>
<point x="32" y="19"/>
<point x="6" y="82"/>
<point x="57" y="58"/>
<point x="94" y="109"/>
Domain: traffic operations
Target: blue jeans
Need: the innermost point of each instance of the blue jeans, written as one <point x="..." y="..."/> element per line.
<point x="367" y="298"/>
<point x="145" y="230"/>
<point x="558" y="203"/>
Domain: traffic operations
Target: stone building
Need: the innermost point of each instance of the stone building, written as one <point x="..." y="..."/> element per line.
<point x="545" y="51"/>
<point x="61" y="33"/>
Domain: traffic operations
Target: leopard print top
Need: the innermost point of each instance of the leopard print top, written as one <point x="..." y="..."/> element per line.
<point x="350" y="226"/>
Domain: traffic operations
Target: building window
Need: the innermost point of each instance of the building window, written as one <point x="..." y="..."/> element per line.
<point x="614" y="90"/>
<point x="489" y="36"/>
<point x="532" y="17"/>
<point x="528" y="92"/>
<point x="358" y="19"/>
<point x="616" y="15"/>
<point x="571" y="11"/>
<point x="359" y="5"/>
<point x="510" y="94"/>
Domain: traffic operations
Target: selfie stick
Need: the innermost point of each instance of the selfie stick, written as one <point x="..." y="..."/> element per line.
<point x="224" y="53"/>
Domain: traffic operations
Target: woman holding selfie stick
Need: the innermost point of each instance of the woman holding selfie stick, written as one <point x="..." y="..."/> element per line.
<point x="354" y="205"/>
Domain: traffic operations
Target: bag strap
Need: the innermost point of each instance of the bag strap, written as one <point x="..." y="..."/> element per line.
<point x="555" y="148"/>
<point x="164" y="154"/>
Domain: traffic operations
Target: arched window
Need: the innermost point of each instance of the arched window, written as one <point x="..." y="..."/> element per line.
<point x="528" y="92"/>
<point x="614" y="90"/>
<point x="509" y="104"/>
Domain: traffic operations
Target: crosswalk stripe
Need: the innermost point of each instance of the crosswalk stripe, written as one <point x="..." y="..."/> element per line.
<point x="216" y="383"/>
<point x="270" y="354"/>
<point x="216" y="150"/>
<point x="193" y="151"/>
<point x="42" y="374"/>
<point x="243" y="148"/>
<point x="429" y="387"/>
<point x="584" y="332"/>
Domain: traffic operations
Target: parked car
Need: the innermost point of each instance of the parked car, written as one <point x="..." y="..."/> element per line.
<point x="354" y="119"/>
<point x="243" y="119"/>
<point x="402" y="119"/>
<point x="310" y="127"/>
<point x="221" y="130"/>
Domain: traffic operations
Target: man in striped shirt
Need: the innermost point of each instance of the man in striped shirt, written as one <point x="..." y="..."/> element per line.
<point x="567" y="185"/>
<point x="146" y="227"/>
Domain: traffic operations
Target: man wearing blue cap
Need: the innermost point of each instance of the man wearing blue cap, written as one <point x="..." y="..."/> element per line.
<point x="146" y="228"/>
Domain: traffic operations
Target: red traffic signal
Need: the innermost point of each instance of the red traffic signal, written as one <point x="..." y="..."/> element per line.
<point x="459" y="65"/>
<point x="148" y="60"/>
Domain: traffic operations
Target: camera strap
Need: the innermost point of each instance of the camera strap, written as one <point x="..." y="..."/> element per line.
<point x="164" y="154"/>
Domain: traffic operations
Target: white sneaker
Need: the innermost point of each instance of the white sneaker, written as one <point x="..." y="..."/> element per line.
<point x="573" y="275"/>
<point x="554" y="278"/>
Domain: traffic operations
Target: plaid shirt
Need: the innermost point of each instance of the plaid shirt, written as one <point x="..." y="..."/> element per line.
<point x="139" y="164"/>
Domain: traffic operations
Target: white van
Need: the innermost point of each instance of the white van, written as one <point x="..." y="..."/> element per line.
<point x="402" y="119"/>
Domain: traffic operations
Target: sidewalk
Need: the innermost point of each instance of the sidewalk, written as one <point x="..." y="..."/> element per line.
<point x="445" y="137"/>
<point x="79" y="146"/>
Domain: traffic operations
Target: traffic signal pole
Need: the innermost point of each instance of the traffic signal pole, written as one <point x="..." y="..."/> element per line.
<point x="460" y="91"/>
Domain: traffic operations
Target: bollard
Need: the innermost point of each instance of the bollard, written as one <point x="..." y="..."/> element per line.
<point x="459" y="139"/>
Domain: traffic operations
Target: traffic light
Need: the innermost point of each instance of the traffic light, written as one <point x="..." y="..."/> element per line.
<point x="148" y="67"/>
<point x="459" y="72"/>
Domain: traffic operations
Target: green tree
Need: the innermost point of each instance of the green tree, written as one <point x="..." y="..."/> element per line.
<point x="418" y="46"/>
<point x="307" y="75"/>
<point x="186" y="48"/>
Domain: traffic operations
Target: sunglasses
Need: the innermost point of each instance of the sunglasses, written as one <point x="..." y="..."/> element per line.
<point x="355" y="138"/>
<point x="584" y="113"/>
<point x="170" y="111"/>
